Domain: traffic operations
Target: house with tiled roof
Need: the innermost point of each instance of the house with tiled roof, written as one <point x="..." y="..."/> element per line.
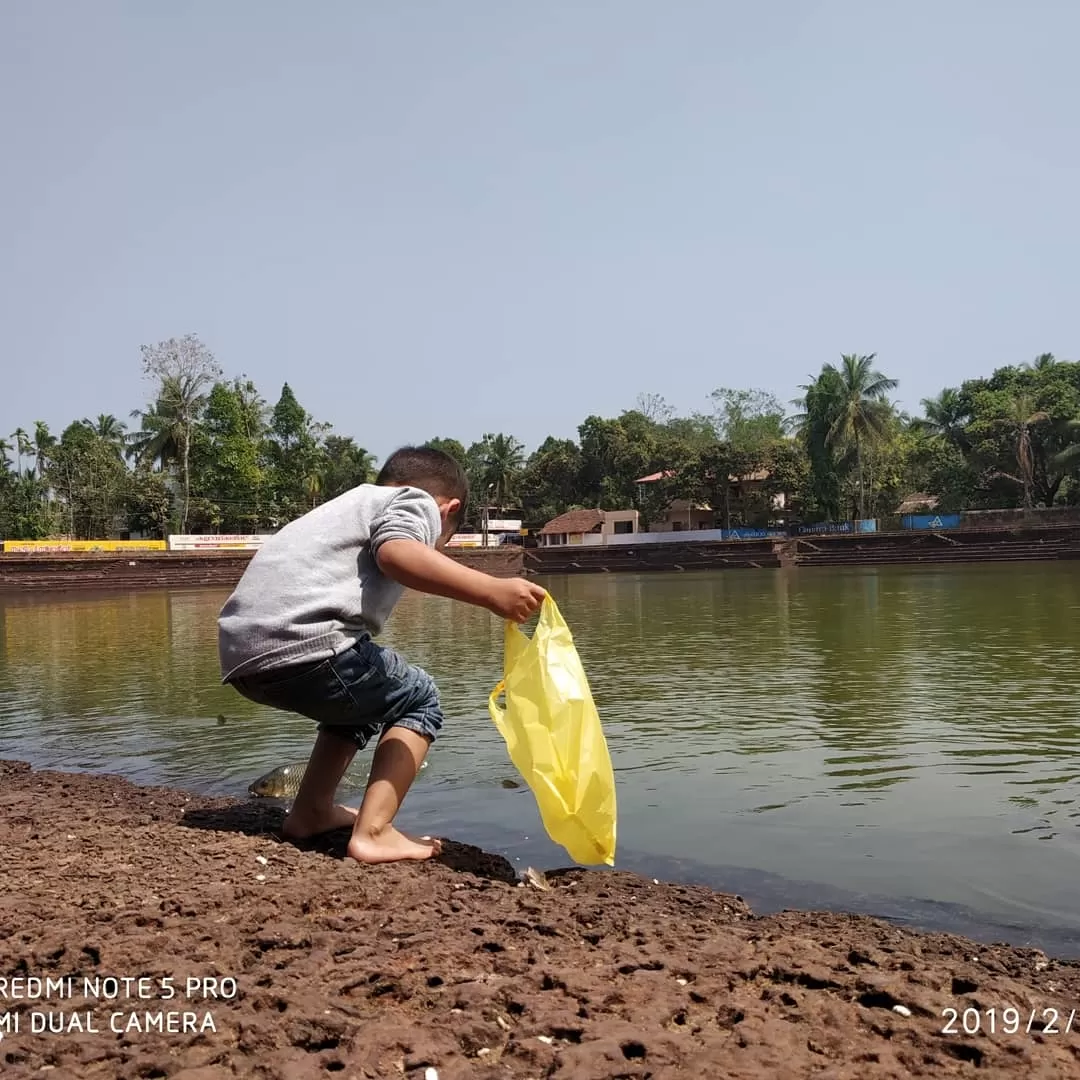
<point x="587" y="526"/>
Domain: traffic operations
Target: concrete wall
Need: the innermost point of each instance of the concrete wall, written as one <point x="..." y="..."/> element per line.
<point x="60" y="573"/>
<point x="996" y="519"/>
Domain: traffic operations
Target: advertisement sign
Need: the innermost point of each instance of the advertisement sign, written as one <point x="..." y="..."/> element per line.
<point x="218" y="542"/>
<point x="501" y="525"/>
<point x="29" y="547"/>
<point x="930" y="521"/>
<point x="466" y="540"/>
<point x="825" y="528"/>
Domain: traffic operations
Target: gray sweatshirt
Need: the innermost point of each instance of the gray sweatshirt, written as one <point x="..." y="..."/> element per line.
<point x="314" y="588"/>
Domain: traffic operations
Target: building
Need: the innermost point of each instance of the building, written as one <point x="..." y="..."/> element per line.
<point x="681" y="515"/>
<point x="495" y="532"/>
<point x="588" y="527"/>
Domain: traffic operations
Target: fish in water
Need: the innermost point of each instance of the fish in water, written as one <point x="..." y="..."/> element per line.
<point x="284" y="781"/>
<point x="510" y="784"/>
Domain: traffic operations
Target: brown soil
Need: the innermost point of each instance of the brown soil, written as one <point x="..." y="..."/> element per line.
<point x="454" y="967"/>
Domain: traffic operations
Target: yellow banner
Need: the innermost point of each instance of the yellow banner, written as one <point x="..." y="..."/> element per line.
<point x="27" y="547"/>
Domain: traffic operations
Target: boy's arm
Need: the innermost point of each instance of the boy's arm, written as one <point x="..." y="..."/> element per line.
<point x="417" y="566"/>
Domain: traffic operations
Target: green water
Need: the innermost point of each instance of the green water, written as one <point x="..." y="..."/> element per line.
<point x="857" y="738"/>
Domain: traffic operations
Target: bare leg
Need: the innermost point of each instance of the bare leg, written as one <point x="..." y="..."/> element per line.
<point x="397" y="760"/>
<point x="314" y="810"/>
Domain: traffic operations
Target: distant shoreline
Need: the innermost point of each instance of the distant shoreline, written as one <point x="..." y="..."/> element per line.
<point x="20" y="573"/>
<point x="23" y="573"/>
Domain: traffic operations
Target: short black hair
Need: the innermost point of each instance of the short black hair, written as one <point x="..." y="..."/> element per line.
<point x="429" y="469"/>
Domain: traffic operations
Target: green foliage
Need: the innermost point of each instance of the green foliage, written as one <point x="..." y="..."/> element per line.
<point x="494" y="466"/>
<point x="451" y="447"/>
<point x="208" y="454"/>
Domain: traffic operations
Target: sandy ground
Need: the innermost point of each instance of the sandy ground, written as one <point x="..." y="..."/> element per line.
<point x="302" y="964"/>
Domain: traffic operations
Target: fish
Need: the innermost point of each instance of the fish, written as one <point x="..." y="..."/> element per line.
<point x="280" y="783"/>
<point x="284" y="781"/>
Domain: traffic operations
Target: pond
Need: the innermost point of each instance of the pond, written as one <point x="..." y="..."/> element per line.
<point x="901" y="741"/>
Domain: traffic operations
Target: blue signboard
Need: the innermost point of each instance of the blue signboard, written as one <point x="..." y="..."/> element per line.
<point x="751" y="534"/>
<point x="930" y="521"/>
<point x="825" y="528"/>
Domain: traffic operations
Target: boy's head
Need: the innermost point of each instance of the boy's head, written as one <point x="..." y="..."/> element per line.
<point x="435" y="472"/>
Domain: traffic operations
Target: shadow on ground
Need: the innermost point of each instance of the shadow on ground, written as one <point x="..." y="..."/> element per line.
<point x="264" y="819"/>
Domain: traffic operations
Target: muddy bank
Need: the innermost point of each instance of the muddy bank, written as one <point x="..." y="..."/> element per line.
<point x="453" y="967"/>
<point x="177" y="570"/>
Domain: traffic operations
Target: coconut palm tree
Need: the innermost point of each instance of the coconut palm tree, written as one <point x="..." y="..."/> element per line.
<point x="110" y="430"/>
<point x="863" y="410"/>
<point x="1020" y="417"/>
<point x="167" y="429"/>
<point x="946" y="417"/>
<point x="503" y="460"/>
<point x="44" y="441"/>
<point x="5" y="449"/>
<point x="23" y="446"/>
<point x="1041" y="362"/>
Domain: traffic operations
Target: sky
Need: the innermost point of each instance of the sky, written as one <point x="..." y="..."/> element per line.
<point x="451" y="218"/>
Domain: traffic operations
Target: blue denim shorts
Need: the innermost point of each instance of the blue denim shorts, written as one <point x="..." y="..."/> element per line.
<point x="355" y="695"/>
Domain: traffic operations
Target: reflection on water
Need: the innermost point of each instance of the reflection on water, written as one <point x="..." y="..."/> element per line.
<point x="895" y="732"/>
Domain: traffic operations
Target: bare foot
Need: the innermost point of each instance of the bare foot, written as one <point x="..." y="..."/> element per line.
<point x="391" y="846"/>
<point x="304" y="826"/>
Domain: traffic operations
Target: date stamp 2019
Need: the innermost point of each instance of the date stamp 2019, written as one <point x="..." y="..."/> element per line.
<point x="1008" y="1020"/>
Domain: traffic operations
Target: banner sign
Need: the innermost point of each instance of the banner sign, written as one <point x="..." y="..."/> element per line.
<point x="930" y="521"/>
<point x="218" y="542"/>
<point x="28" y="547"/>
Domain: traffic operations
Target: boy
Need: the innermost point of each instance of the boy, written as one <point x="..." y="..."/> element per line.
<point x="297" y="634"/>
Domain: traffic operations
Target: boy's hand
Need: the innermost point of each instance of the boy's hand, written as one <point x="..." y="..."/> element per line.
<point x="516" y="599"/>
<point x="416" y="566"/>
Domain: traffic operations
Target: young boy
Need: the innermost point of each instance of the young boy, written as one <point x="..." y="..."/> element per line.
<point x="297" y="634"/>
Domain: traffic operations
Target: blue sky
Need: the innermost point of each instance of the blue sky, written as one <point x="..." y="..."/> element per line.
<point x="451" y="218"/>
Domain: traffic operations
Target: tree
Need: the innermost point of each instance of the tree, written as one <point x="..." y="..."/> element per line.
<point x="23" y="446"/>
<point x="1021" y="456"/>
<point x="946" y="417"/>
<point x="43" y="444"/>
<point x="820" y="409"/>
<point x="1070" y="456"/>
<point x="1020" y="418"/>
<point x="185" y="358"/>
<point x="226" y="458"/>
<point x="24" y="513"/>
<point x="346" y="466"/>
<point x="148" y="503"/>
<point x="861" y="411"/>
<point x="747" y="418"/>
<point x="91" y="482"/>
<point x="452" y="447"/>
<point x="654" y="408"/>
<point x="168" y="428"/>
<point x="550" y="482"/>
<point x="498" y="461"/>
<point x="108" y="428"/>
<point x="183" y="369"/>
<point x="294" y="456"/>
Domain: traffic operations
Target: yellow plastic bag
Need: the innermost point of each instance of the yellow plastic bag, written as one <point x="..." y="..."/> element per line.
<point x="552" y="731"/>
